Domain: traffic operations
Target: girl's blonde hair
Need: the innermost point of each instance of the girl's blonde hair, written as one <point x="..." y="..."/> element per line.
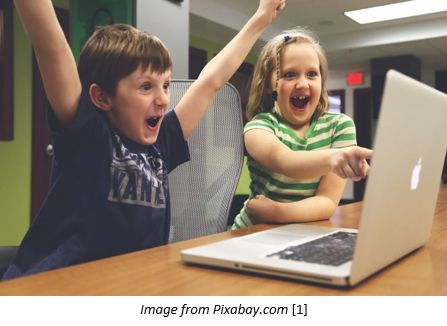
<point x="268" y="65"/>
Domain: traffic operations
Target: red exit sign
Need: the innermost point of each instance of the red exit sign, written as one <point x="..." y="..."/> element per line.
<point x="355" y="78"/>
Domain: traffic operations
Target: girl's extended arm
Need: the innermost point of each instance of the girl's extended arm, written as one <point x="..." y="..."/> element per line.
<point x="267" y="150"/>
<point x="54" y="57"/>
<point x="193" y="105"/>
<point x="319" y="207"/>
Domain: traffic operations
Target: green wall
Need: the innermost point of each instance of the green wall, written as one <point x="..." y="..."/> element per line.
<point x="15" y="162"/>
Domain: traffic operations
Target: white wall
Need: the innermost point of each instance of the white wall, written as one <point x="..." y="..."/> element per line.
<point x="170" y="22"/>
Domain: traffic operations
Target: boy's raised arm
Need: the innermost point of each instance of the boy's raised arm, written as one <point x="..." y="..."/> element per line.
<point x="218" y="71"/>
<point x="54" y="57"/>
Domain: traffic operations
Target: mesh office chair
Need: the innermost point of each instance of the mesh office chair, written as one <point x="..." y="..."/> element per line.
<point x="202" y="189"/>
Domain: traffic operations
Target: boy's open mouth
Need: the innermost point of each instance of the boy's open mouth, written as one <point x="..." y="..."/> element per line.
<point x="152" y="122"/>
<point x="300" y="101"/>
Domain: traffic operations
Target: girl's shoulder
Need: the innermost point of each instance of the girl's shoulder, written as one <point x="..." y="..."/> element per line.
<point x="263" y="119"/>
<point x="267" y="116"/>
<point x="334" y="118"/>
<point x="272" y="118"/>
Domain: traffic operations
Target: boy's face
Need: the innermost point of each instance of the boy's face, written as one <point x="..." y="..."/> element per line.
<point x="139" y="105"/>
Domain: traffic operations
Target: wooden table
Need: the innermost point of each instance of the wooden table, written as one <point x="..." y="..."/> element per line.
<point x="159" y="271"/>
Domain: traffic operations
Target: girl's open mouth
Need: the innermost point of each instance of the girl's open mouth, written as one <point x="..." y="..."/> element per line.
<point x="300" y="101"/>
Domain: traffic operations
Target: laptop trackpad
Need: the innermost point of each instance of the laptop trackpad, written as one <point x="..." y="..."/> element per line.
<point x="286" y="234"/>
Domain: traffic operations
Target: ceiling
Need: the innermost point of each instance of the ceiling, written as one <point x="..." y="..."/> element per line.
<point x="349" y="46"/>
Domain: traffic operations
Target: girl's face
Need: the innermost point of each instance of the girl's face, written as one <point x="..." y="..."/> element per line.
<point x="141" y="100"/>
<point x="299" y="85"/>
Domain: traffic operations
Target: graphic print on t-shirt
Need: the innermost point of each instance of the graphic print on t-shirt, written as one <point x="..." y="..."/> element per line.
<point x="136" y="178"/>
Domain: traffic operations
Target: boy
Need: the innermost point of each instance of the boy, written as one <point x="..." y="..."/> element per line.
<point x="114" y="142"/>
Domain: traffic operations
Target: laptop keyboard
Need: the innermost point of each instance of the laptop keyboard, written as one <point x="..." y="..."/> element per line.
<point x="334" y="249"/>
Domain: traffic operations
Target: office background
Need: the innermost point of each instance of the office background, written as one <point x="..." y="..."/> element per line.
<point x="194" y="30"/>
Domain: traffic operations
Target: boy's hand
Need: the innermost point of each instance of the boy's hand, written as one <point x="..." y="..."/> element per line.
<point x="269" y="8"/>
<point x="351" y="162"/>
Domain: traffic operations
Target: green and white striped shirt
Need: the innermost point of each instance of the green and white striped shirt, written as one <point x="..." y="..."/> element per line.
<point x="329" y="131"/>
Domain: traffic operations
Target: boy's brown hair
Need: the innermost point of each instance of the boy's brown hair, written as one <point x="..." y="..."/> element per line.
<point x="115" y="51"/>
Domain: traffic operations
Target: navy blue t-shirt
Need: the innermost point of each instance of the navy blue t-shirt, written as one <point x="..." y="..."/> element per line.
<point x="108" y="195"/>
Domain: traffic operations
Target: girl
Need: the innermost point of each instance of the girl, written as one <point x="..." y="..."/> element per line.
<point x="299" y="155"/>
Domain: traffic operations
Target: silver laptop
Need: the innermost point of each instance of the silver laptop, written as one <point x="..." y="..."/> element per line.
<point x="398" y="207"/>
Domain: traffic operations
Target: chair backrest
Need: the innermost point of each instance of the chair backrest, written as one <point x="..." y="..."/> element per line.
<point x="202" y="189"/>
<point x="7" y="254"/>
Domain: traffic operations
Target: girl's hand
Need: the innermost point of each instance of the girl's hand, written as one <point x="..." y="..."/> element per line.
<point x="261" y="209"/>
<point x="350" y="162"/>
